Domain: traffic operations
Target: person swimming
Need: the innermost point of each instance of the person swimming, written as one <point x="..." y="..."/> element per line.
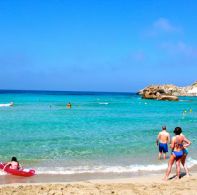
<point x="68" y="105"/>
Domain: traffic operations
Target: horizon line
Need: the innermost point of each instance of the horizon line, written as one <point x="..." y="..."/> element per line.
<point x="46" y="90"/>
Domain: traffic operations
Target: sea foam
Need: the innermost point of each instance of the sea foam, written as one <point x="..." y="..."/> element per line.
<point x="108" y="169"/>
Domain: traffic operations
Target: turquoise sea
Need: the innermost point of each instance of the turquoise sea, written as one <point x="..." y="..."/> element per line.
<point x="101" y="133"/>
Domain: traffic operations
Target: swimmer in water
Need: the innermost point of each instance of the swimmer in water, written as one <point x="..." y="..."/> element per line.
<point x="68" y="105"/>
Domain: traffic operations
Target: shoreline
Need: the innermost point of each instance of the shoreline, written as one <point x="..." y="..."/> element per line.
<point x="145" y="184"/>
<point x="80" y="177"/>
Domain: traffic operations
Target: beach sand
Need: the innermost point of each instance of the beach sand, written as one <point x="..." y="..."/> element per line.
<point x="141" y="185"/>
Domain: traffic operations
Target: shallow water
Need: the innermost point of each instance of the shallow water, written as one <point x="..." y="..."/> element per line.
<point x="102" y="132"/>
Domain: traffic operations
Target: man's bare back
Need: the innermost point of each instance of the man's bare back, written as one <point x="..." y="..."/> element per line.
<point x="162" y="141"/>
<point x="164" y="137"/>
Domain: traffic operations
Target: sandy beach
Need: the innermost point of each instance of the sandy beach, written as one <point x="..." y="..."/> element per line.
<point x="125" y="186"/>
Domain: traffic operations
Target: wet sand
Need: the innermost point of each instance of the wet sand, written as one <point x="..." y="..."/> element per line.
<point x="141" y="185"/>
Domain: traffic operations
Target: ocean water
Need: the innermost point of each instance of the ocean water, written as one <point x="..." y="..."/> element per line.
<point x="101" y="133"/>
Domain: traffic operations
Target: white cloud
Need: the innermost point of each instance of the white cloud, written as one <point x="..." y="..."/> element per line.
<point x="180" y="48"/>
<point x="138" y="56"/>
<point x="164" y="24"/>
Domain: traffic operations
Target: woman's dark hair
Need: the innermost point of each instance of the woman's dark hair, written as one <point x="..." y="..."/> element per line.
<point x="14" y="159"/>
<point x="177" y="130"/>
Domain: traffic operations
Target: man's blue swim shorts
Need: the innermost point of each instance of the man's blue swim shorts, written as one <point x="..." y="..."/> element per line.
<point x="163" y="147"/>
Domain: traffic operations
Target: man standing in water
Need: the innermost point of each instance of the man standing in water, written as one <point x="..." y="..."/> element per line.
<point x="162" y="141"/>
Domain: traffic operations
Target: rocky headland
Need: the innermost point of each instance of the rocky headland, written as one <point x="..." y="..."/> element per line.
<point x="168" y="92"/>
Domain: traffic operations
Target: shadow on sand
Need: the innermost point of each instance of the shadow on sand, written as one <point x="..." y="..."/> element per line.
<point x="174" y="176"/>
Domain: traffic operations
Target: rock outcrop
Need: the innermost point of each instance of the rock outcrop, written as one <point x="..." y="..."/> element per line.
<point x="168" y="92"/>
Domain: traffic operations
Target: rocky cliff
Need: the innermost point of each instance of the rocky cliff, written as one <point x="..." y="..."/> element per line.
<point x="168" y="92"/>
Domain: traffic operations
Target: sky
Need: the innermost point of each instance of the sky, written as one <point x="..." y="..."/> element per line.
<point x="97" y="45"/>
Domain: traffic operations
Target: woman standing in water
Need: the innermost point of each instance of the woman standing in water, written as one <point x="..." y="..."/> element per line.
<point x="183" y="159"/>
<point x="179" y="142"/>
